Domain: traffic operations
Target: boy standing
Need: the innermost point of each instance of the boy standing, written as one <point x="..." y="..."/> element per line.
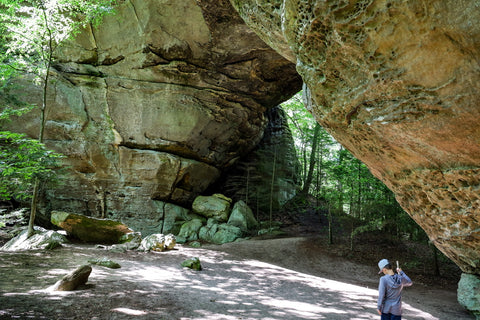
<point x="390" y="287"/>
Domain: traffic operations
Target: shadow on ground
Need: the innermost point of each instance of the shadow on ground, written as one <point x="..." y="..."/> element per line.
<point x="155" y="286"/>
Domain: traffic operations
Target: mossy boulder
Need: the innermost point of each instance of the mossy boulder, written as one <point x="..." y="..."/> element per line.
<point x="91" y="230"/>
<point x="219" y="233"/>
<point x="216" y="206"/>
<point x="192" y="263"/>
<point x="469" y="293"/>
<point x="189" y="231"/>
<point x="242" y="217"/>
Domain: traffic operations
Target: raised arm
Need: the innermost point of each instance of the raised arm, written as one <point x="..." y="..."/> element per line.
<point x="406" y="281"/>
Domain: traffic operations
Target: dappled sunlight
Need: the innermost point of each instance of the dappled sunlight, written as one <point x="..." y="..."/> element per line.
<point x="409" y="311"/>
<point x="150" y="273"/>
<point x="130" y="312"/>
<point x="301" y="309"/>
<point x="155" y="286"/>
<point x="251" y="289"/>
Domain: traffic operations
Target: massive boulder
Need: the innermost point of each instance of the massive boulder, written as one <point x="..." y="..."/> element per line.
<point x="242" y="217"/>
<point x="91" y="230"/>
<point x="216" y="206"/>
<point x="397" y="83"/>
<point x="154" y="104"/>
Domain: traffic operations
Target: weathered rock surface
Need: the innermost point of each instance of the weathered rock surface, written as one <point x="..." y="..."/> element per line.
<point x="219" y="233"/>
<point x="158" y="242"/>
<point x="164" y="218"/>
<point x="396" y="83"/>
<point x="242" y="217"/>
<point x="469" y="293"/>
<point x="73" y="280"/>
<point x="192" y="263"/>
<point x="151" y="109"/>
<point x="223" y="225"/>
<point x="251" y="178"/>
<point x="41" y="239"/>
<point x="129" y="241"/>
<point x="216" y="206"/>
<point x="189" y="230"/>
<point x="89" y="229"/>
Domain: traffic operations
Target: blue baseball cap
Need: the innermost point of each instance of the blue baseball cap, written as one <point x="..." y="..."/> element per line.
<point x="381" y="264"/>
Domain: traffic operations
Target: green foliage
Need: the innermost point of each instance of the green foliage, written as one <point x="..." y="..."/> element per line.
<point x="314" y="145"/>
<point x="22" y="160"/>
<point x="32" y="30"/>
<point x="343" y="181"/>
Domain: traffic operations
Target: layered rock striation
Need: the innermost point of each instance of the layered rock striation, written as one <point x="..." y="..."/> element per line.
<point x="397" y="83"/>
<point x="151" y="106"/>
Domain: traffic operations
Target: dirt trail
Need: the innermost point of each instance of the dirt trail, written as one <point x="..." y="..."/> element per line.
<point x="254" y="279"/>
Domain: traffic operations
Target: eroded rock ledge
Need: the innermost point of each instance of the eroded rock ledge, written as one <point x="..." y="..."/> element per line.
<point x="151" y="107"/>
<point x="396" y="83"/>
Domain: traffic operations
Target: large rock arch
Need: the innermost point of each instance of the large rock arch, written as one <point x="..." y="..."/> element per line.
<point x="397" y="83"/>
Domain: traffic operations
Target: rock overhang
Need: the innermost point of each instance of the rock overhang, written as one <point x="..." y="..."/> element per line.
<point x="397" y="85"/>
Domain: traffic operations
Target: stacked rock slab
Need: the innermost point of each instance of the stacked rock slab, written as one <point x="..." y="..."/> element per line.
<point x="152" y="105"/>
<point x="217" y="222"/>
<point x="397" y="84"/>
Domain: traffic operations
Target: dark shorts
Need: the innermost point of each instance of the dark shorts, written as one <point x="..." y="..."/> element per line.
<point x="389" y="316"/>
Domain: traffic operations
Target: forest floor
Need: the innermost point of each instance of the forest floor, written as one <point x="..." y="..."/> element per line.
<point x="297" y="276"/>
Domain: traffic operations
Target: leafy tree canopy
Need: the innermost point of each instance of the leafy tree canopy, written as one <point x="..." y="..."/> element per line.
<point x="22" y="160"/>
<point x="30" y="33"/>
<point x="335" y="177"/>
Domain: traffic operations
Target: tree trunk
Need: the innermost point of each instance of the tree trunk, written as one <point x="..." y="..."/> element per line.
<point x="359" y="191"/>
<point x="247" y="185"/>
<point x="313" y="155"/>
<point x="272" y="185"/>
<point x="340" y="183"/>
<point x="43" y="115"/>
<point x="436" y="266"/>
<point x="330" y="231"/>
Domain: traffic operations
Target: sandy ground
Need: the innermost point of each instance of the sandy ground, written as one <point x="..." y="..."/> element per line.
<point x="282" y="278"/>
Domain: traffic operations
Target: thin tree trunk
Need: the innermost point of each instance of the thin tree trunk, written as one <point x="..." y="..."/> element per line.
<point x="33" y="209"/>
<point x="43" y="116"/>
<point x="436" y="266"/>
<point x="359" y="194"/>
<point x="258" y="205"/>
<point x="272" y="186"/>
<point x="304" y="169"/>
<point x="330" y="231"/>
<point x="340" y="183"/>
<point x="320" y="171"/>
<point x="352" y="235"/>
<point x="247" y="184"/>
<point x="313" y="155"/>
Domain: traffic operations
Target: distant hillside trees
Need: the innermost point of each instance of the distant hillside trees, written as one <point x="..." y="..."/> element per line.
<point x="342" y="183"/>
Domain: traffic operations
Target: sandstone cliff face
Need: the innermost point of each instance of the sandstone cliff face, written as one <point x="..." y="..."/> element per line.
<point x="274" y="157"/>
<point x="151" y="106"/>
<point x="397" y="83"/>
